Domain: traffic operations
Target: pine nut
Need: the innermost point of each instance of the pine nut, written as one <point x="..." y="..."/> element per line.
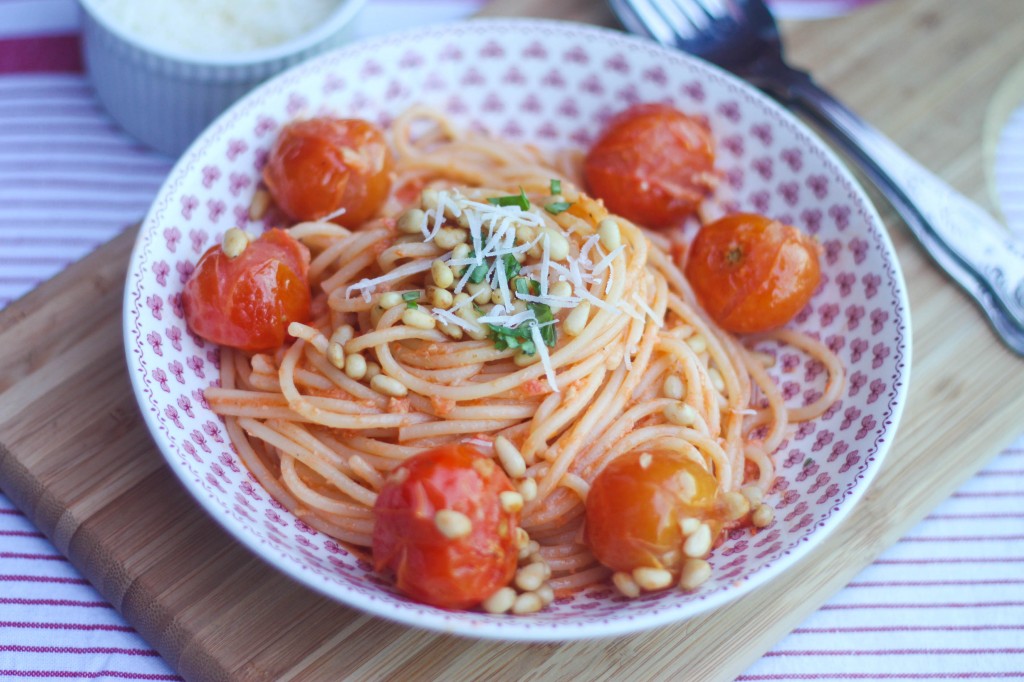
<point x="611" y="236"/>
<point x="530" y="577"/>
<point x="525" y="234"/>
<point x="441" y="273"/>
<point x="481" y="292"/>
<point x="414" y="317"/>
<point x="429" y="199"/>
<point x="453" y="524"/>
<point x="336" y="354"/>
<point x="680" y="414"/>
<point x="496" y="297"/>
<point x="372" y="370"/>
<point x="698" y="544"/>
<point x="576" y="320"/>
<point x="735" y="505"/>
<point x="528" y="489"/>
<point x="451" y="330"/>
<point x="343" y="334"/>
<point x="447" y="238"/>
<point x="645" y="460"/>
<point x="389" y="300"/>
<point x="753" y="494"/>
<point x="355" y="366"/>
<point x="511" y="501"/>
<point x="650" y="579"/>
<point x="234" y="243"/>
<point x="546" y="594"/>
<point x="763" y="516"/>
<point x="697" y="343"/>
<point x="528" y="602"/>
<point x="558" y="245"/>
<point x="440" y="298"/>
<point x="695" y="573"/>
<point x="673" y="388"/>
<point x="561" y="289"/>
<point x="522" y="538"/>
<point x="412" y="221"/>
<point x="511" y="459"/>
<point x="259" y="204"/>
<point x="461" y="251"/>
<point x="687" y="484"/>
<point x="501" y="601"/>
<point x="716" y="380"/>
<point x="625" y="584"/>
<point x="382" y="383"/>
<point x="689" y="526"/>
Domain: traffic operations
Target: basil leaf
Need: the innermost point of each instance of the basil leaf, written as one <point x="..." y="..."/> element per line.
<point x="511" y="265"/>
<point x="556" y="187"/>
<point x="557" y="207"/>
<point x="519" y="200"/>
<point x="478" y="274"/>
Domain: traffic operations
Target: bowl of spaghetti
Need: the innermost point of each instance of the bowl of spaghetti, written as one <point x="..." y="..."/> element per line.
<point x="488" y="301"/>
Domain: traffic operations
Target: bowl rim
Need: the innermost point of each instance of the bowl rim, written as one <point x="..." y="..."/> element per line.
<point x="483" y="627"/>
<point x="341" y="16"/>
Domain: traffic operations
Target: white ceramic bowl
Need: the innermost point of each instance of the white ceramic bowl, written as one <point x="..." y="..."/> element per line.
<point x="551" y="84"/>
<point x="165" y="98"/>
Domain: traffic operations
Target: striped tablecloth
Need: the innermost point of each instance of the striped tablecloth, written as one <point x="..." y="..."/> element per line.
<point x="947" y="602"/>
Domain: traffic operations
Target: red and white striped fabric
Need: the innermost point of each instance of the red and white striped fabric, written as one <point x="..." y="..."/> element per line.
<point x="947" y="602"/>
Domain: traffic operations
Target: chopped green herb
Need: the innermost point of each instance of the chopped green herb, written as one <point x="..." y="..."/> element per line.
<point x="557" y="207"/>
<point x="511" y="265"/>
<point x="507" y="337"/>
<point x="519" y="200"/>
<point x="522" y="285"/>
<point x="549" y="335"/>
<point x="478" y="274"/>
<point x="556" y="187"/>
<point x="535" y="287"/>
<point x="528" y="347"/>
<point x="410" y="298"/>
<point x="542" y="311"/>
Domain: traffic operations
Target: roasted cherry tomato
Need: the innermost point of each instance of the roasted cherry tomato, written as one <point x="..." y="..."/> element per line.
<point x="752" y="274"/>
<point x="637" y="504"/>
<point x="652" y="165"/>
<point x="248" y="301"/>
<point x="452" y="560"/>
<point x="322" y="165"/>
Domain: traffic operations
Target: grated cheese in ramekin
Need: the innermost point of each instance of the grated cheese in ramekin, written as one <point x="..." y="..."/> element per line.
<point x="214" y="27"/>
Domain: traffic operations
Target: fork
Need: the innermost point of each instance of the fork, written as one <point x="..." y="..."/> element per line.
<point x="962" y="238"/>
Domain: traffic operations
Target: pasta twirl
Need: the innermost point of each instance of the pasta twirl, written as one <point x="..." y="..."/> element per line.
<point x="488" y="302"/>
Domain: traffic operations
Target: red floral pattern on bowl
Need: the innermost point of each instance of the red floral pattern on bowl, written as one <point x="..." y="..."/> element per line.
<point x="552" y="84"/>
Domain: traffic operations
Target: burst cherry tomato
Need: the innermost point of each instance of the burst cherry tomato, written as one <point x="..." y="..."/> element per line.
<point x="636" y="504"/>
<point x="321" y="165"/>
<point x="429" y="565"/>
<point x="752" y="274"/>
<point x="248" y="301"/>
<point x="652" y="165"/>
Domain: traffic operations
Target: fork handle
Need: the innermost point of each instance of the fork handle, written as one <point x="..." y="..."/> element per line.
<point x="977" y="252"/>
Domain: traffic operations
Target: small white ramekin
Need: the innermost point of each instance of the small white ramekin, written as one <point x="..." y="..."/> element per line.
<point x="165" y="98"/>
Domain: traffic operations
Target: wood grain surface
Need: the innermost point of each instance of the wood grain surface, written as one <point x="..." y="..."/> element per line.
<point x="76" y="457"/>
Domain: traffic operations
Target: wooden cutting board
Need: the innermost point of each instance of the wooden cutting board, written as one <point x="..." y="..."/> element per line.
<point x="75" y="456"/>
